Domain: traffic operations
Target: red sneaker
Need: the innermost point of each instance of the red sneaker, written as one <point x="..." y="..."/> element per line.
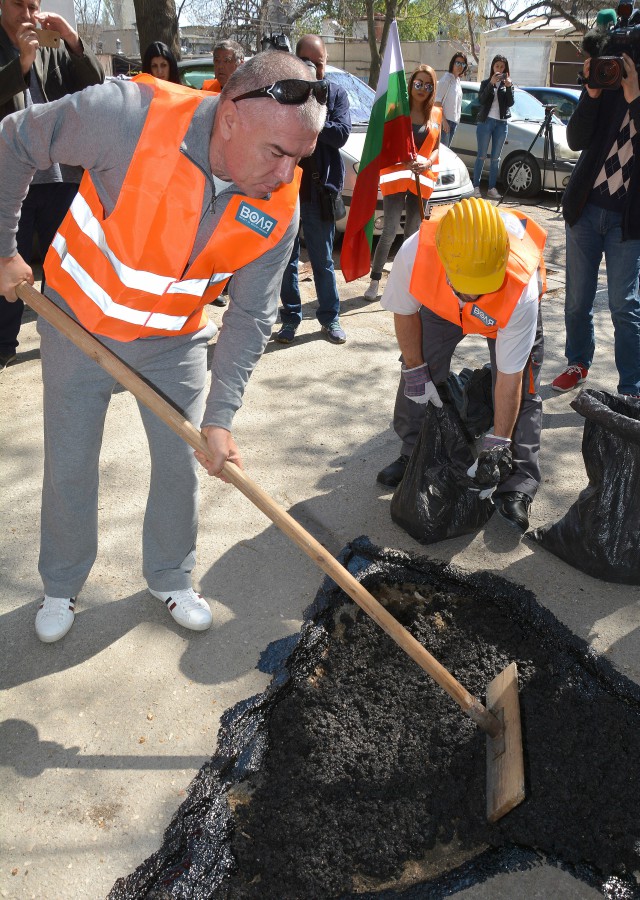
<point x="570" y="378"/>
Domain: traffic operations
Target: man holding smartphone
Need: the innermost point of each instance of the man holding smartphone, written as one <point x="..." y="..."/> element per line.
<point x="32" y="74"/>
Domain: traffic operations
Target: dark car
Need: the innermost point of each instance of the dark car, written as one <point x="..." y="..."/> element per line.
<point x="563" y="100"/>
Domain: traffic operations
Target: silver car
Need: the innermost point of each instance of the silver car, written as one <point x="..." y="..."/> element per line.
<point x="453" y="179"/>
<point x="523" y="166"/>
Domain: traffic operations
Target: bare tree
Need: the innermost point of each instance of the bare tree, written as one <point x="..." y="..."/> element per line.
<point x="91" y="15"/>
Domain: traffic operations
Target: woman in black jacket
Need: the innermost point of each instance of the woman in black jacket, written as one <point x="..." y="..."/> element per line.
<point x="495" y="96"/>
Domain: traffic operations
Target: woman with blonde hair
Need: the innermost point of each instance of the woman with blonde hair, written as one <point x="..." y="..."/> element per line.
<point x="398" y="183"/>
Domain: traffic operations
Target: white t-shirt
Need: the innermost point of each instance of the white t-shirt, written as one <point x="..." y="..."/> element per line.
<point x="450" y="88"/>
<point x="513" y="342"/>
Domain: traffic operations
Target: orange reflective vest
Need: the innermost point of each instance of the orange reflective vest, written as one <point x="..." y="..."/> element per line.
<point x="398" y="179"/>
<point x="490" y="311"/>
<point x="128" y="275"/>
<point x="211" y="84"/>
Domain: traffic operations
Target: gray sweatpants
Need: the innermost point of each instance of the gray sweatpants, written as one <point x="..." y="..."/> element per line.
<point x="439" y="340"/>
<point x="77" y="392"/>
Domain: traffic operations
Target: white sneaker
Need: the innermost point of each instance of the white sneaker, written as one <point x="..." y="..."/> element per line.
<point x="372" y="291"/>
<point x="493" y="194"/>
<point x="188" y="608"/>
<point x="476" y="192"/>
<point x="54" y="618"/>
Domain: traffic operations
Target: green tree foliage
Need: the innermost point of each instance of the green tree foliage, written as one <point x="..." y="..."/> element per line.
<point x="421" y="22"/>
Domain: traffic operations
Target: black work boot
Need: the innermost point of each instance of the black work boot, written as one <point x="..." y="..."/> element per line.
<point x="514" y="507"/>
<point x="392" y="474"/>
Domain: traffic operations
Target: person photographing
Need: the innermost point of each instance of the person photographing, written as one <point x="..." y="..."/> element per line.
<point x="496" y="97"/>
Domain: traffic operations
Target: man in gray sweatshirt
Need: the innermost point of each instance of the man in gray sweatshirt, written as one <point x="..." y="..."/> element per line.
<point x="199" y="183"/>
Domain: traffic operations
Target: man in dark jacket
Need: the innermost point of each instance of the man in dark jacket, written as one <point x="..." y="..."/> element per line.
<point x="31" y="74"/>
<point x="602" y="215"/>
<point x="322" y="181"/>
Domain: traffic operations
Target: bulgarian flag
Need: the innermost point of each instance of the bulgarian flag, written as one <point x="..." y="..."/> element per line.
<point x="389" y="141"/>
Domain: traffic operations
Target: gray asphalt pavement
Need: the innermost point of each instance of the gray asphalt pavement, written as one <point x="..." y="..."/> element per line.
<point x="104" y="731"/>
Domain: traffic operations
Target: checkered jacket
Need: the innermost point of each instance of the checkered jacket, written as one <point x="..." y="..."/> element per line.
<point x="593" y="128"/>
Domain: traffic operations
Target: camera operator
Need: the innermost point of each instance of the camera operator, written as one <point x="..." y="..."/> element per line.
<point x="602" y="217"/>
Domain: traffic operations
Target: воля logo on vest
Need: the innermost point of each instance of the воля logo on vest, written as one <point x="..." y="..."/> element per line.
<point x="255" y="219"/>
<point x="482" y="315"/>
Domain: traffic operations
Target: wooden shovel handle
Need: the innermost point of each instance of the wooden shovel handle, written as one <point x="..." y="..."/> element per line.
<point x="314" y="550"/>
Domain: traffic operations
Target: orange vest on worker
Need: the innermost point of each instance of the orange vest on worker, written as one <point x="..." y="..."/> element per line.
<point x="490" y="311"/>
<point x="128" y="275"/>
<point x="398" y="179"/>
<point x="211" y="84"/>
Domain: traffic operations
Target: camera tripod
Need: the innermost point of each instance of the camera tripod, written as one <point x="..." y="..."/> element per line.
<point x="548" y="154"/>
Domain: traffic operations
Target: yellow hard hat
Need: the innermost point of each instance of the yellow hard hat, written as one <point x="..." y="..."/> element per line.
<point x="473" y="246"/>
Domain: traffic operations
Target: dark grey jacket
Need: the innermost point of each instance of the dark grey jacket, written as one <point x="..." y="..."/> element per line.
<point x="58" y="71"/>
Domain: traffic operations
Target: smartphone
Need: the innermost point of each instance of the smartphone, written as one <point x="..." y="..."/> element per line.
<point x="48" y="38"/>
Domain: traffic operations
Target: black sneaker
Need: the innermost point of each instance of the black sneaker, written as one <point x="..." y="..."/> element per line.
<point x="220" y="301"/>
<point x="286" y="335"/>
<point x="6" y="358"/>
<point x="514" y="507"/>
<point x="392" y="475"/>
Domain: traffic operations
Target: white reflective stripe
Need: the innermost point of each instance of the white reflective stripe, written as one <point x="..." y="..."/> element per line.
<point x="132" y="278"/>
<point x="108" y="306"/>
<point x="165" y="322"/>
<point x="395" y="176"/>
<point x="194" y="286"/>
<point x="137" y="279"/>
<point x="398" y="176"/>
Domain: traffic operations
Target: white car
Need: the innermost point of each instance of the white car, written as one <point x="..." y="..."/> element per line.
<point x="453" y="179"/>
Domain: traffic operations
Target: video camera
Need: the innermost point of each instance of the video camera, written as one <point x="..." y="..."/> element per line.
<point x="616" y="32"/>
<point x="275" y="42"/>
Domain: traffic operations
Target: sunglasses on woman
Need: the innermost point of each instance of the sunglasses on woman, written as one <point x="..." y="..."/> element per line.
<point x="423" y="86"/>
<point x="290" y="92"/>
<point x="460" y="62"/>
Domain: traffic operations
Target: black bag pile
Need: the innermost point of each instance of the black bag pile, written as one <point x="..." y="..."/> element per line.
<point x="434" y="500"/>
<point x="600" y="533"/>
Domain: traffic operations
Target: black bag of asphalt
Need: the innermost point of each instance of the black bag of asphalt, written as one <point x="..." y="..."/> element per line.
<point x="472" y="392"/>
<point x="435" y="499"/>
<point x="353" y="775"/>
<point x="600" y="533"/>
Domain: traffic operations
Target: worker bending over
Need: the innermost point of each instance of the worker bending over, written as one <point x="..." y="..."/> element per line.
<point x="476" y="270"/>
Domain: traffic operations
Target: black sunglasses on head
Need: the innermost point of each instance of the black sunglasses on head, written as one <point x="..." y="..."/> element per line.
<point x="290" y="92"/>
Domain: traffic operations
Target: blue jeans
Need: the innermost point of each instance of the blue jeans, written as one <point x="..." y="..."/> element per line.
<point x="494" y="130"/>
<point x="318" y="236"/>
<point x="598" y="231"/>
<point x="447" y="137"/>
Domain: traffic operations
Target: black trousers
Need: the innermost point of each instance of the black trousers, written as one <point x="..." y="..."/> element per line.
<point x="44" y="208"/>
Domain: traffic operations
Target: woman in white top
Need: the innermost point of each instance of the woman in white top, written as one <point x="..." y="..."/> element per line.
<point x="449" y="96"/>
